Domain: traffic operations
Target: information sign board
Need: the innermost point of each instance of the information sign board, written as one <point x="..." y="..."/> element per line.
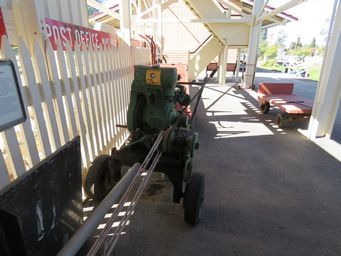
<point x="12" y="111"/>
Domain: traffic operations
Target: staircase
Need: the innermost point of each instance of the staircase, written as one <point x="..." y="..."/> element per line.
<point x="176" y="56"/>
<point x="234" y="33"/>
<point x="200" y="59"/>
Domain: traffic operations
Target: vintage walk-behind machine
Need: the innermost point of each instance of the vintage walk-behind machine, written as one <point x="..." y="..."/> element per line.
<point x="160" y="138"/>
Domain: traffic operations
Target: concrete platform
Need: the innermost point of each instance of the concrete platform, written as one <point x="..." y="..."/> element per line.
<point x="268" y="191"/>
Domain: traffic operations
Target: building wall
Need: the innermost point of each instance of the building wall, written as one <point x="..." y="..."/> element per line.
<point x="182" y="36"/>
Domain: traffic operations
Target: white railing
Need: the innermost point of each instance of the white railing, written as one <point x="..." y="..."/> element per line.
<point x="68" y="93"/>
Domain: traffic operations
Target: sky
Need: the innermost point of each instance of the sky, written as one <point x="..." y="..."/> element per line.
<point x="313" y="17"/>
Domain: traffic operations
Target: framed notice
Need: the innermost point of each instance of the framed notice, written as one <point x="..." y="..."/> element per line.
<point x="12" y="111"/>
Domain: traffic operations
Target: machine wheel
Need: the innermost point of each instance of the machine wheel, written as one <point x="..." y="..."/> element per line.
<point x="97" y="182"/>
<point x="281" y="120"/>
<point x="194" y="198"/>
<point x="265" y="107"/>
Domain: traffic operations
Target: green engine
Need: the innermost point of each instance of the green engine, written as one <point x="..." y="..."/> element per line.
<point x="154" y="96"/>
<point x="157" y="104"/>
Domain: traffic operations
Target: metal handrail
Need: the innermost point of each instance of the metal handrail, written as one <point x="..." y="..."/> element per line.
<point x="201" y="44"/>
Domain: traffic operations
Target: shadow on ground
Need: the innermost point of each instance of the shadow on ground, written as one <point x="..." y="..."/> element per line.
<point x="268" y="191"/>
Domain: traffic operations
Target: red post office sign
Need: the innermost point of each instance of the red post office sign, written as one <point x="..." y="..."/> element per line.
<point x="62" y="32"/>
<point x="2" y="25"/>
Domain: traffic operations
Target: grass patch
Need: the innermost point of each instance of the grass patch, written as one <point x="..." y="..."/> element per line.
<point x="314" y="72"/>
<point x="274" y="67"/>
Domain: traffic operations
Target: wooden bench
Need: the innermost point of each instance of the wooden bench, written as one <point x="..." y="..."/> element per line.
<point x="230" y="67"/>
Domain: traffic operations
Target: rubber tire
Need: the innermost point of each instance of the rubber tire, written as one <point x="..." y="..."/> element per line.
<point x="94" y="185"/>
<point x="281" y="120"/>
<point x="265" y="107"/>
<point x="194" y="198"/>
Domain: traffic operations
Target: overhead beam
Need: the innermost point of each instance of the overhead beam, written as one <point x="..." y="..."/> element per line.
<point x="152" y="8"/>
<point x="103" y="9"/>
<point x="280" y="9"/>
<point x="219" y="20"/>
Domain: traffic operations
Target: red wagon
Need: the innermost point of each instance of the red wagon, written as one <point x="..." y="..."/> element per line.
<point x="281" y="95"/>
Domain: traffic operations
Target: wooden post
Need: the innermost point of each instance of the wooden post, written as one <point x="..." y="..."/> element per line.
<point x="328" y="95"/>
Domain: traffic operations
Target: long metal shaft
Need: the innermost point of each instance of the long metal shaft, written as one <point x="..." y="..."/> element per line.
<point x="113" y="240"/>
<point x="104" y="233"/>
<point x="92" y="222"/>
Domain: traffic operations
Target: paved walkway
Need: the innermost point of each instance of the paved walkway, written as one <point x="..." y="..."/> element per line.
<point x="268" y="191"/>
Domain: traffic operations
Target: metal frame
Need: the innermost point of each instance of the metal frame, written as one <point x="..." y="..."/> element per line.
<point x="20" y="99"/>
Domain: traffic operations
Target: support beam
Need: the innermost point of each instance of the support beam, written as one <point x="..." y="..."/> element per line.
<point x="219" y="20"/>
<point x="328" y="95"/>
<point x="125" y="25"/>
<point x="102" y="8"/>
<point x="238" y="65"/>
<point x="253" y="45"/>
<point x="280" y="9"/>
<point x="223" y="65"/>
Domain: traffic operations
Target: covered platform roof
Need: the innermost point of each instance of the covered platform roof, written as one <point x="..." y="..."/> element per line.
<point x="245" y="6"/>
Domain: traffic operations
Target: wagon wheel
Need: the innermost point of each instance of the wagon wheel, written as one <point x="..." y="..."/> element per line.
<point x="194" y="198"/>
<point x="281" y="120"/>
<point x="99" y="181"/>
<point x="265" y="107"/>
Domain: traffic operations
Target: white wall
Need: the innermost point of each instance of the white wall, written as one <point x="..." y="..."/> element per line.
<point x="177" y="36"/>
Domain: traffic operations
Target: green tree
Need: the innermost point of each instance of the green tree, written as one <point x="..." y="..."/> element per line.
<point x="281" y="38"/>
<point x="313" y="43"/>
<point x="298" y="43"/>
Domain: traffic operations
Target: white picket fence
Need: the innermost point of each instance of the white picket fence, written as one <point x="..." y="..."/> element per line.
<point x="68" y="93"/>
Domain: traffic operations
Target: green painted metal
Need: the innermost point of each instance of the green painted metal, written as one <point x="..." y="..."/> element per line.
<point x="152" y="100"/>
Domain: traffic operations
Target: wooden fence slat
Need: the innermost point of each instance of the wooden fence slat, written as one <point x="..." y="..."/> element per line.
<point x="79" y="67"/>
<point x="61" y="118"/>
<point x="80" y="118"/>
<point x="13" y="149"/>
<point x="64" y="10"/>
<point x="122" y="85"/>
<point x="26" y="129"/>
<point x="75" y="11"/>
<point x="70" y="113"/>
<point x="107" y="92"/>
<point x="112" y="99"/>
<point x="52" y="125"/>
<point x="101" y="97"/>
<point x="52" y="9"/>
<point x="83" y="13"/>
<point x="97" y="103"/>
<point x="4" y="177"/>
<point x="126" y="75"/>
<point x="36" y="98"/>
<point x="104" y="87"/>
<point x="92" y="104"/>
<point x="118" y="97"/>
<point x="122" y="88"/>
